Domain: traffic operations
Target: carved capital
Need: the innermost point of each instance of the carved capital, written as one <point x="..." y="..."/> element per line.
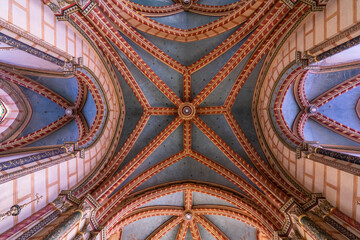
<point x="296" y="212"/>
<point x="69" y="67"/>
<point x="295" y="235"/>
<point x="69" y="147"/>
<point x="63" y="8"/>
<point x="316" y="5"/>
<point x="54" y="7"/>
<point x="325" y="206"/>
<point x="307" y="148"/>
<point x="59" y="201"/>
<point x="323" y="209"/>
<point x="86" y="209"/>
<point x="304" y="58"/>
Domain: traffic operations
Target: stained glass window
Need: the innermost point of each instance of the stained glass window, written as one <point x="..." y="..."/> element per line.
<point x="3" y="111"/>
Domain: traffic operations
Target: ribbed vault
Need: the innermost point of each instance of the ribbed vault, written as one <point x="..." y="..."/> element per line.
<point x="177" y="101"/>
<point x="186" y="156"/>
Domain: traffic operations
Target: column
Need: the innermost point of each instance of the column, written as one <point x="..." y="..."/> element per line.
<point x="84" y="211"/>
<point x="84" y="233"/>
<point x="337" y="155"/>
<point x="58" y="206"/>
<point x="324" y="211"/>
<point x="66" y="225"/>
<point x="340" y="161"/>
<point x="299" y="215"/>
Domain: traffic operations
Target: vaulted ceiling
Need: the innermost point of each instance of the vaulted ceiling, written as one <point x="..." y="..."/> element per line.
<point x="187" y="159"/>
<point x="188" y="81"/>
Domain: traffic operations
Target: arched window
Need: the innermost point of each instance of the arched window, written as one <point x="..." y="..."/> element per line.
<point x="3" y="111"/>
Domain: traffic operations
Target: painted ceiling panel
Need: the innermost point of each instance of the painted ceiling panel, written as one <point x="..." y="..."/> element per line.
<point x="315" y="132"/>
<point x="242" y="109"/>
<point x="187" y="169"/>
<point x="132" y="232"/>
<point x="205" y="234"/>
<point x="318" y="83"/>
<point x="44" y="110"/>
<point x="133" y="110"/>
<point x="153" y="127"/>
<point x="152" y="94"/>
<point x="218" y="96"/>
<point x="185" y="20"/>
<point x="68" y="133"/>
<point x="188" y="235"/>
<point x="89" y="110"/>
<point x="65" y="87"/>
<point x="175" y="199"/>
<point x="187" y="53"/>
<point x="200" y="78"/>
<point x="205" y="199"/>
<point x="172" y="145"/>
<point x="342" y="108"/>
<point x="232" y="228"/>
<point x="219" y="124"/>
<point x="204" y="146"/>
<point x="171" y="235"/>
<point x="172" y="78"/>
<point x="290" y="108"/>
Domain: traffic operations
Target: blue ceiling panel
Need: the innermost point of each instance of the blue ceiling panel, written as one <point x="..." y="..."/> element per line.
<point x="290" y="108"/>
<point x="185" y="20"/>
<point x="242" y="109"/>
<point x="313" y="131"/>
<point x="133" y="110"/>
<point x="44" y="111"/>
<point x="342" y="109"/>
<point x="147" y="226"/>
<point x="172" y="78"/>
<point x="156" y="3"/>
<point x="187" y="53"/>
<point x="187" y="169"/>
<point x="153" y="127"/>
<point x="234" y="229"/>
<point x="65" y="87"/>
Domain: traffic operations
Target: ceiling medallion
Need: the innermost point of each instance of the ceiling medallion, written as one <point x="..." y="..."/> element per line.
<point x="186" y="3"/>
<point x="188" y="216"/>
<point x="186" y="111"/>
<point x="313" y="109"/>
<point x="3" y="111"/>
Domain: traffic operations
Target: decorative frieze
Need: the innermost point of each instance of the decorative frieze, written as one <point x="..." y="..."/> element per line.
<point x="29" y="159"/>
<point x="31" y="50"/>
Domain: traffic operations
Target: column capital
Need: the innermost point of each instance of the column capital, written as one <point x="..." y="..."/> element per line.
<point x="323" y="209"/>
<point x="63" y="202"/>
<point x="89" y="205"/>
<point x="294" y="212"/>
<point x="316" y="5"/>
<point x="63" y="8"/>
